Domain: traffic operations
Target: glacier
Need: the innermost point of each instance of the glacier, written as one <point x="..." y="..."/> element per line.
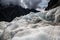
<point x="32" y="26"/>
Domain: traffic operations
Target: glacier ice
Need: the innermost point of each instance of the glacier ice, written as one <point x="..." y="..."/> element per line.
<point x="31" y="27"/>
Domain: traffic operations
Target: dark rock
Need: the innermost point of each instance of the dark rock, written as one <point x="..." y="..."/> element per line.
<point x="53" y="4"/>
<point x="10" y="12"/>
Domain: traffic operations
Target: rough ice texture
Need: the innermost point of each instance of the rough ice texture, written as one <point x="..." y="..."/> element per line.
<point x="33" y="26"/>
<point x="27" y="3"/>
